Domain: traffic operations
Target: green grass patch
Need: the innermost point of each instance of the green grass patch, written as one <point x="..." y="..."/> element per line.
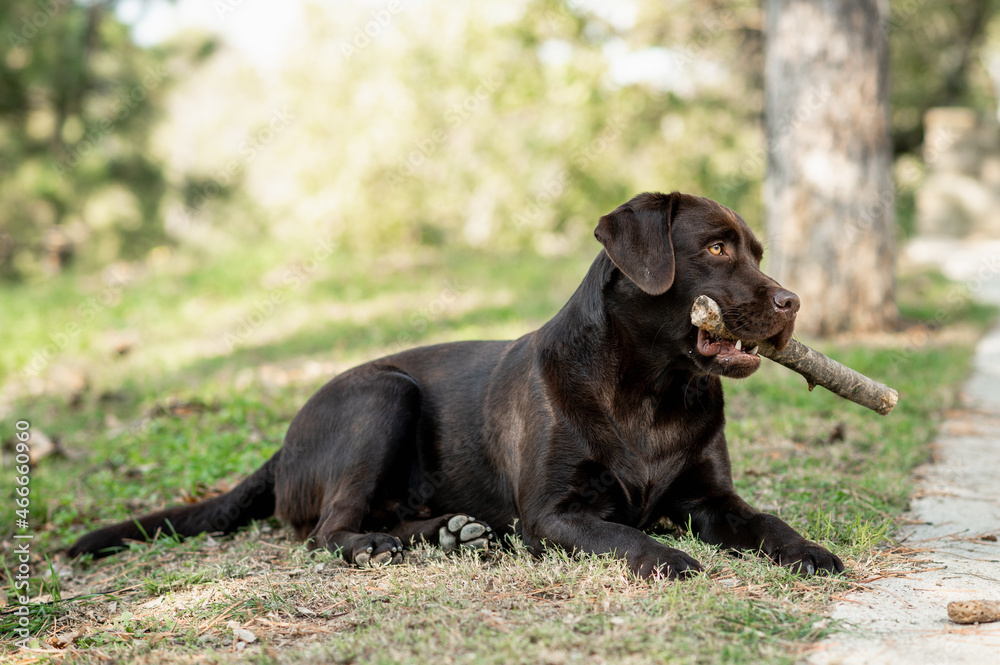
<point x="185" y="378"/>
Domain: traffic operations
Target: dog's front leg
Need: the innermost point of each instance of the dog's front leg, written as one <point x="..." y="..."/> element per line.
<point x="580" y="531"/>
<point x="731" y="522"/>
<point x="704" y="497"/>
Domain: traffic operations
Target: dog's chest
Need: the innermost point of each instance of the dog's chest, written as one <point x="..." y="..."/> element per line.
<point x="645" y="490"/>
<point x="650" y="455"/>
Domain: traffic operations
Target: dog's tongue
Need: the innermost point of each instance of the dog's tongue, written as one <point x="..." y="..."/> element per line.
<point x="710" y="345"/>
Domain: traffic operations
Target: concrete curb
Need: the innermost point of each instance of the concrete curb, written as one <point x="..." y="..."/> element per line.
<point x="955" y="522"/>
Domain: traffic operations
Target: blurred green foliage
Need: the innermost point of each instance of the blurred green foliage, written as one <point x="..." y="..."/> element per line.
<point x="510" y="125"/>
<point x="79" y="102"/>
<point x="942" y="54"/>
<point x="505" y="125"/>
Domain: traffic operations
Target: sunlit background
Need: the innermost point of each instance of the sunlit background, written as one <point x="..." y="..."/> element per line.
<point x="131" y="127"/>
<point x="150" y="133"/>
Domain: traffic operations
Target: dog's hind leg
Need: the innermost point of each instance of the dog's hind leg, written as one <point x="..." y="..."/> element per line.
<point x="450" y="532"/>
<point x="348" y="447"/>
<point x="338" y="529"/>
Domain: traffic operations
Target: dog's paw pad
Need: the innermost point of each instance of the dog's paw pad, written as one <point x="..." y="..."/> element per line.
<point x="377" y="550"/>
<point x="472" y="531"/>
<point x="464" y="532"/>
<point x="457" y="522"/>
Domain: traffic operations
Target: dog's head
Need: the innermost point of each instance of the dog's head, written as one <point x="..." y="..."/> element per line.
<point x="673" y="248"/>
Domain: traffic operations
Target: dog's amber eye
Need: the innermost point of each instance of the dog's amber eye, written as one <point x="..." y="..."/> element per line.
<point x="716" y="248"/>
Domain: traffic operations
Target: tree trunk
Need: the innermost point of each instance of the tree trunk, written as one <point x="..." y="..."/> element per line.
<point x="828" y="195"/>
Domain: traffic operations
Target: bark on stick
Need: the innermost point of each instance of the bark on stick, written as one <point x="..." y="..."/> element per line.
<point x="974" y="611"/>
<point x="817" y="369"/>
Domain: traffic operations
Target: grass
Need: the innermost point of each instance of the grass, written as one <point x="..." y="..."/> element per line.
<point x="184" y="379"/>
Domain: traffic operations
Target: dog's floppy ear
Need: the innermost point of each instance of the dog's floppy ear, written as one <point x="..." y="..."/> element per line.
<point x="636" y="237"/>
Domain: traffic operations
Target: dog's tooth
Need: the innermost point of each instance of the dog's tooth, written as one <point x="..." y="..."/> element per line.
<point x="754" y="349"/>
<point x="739" y="345"/>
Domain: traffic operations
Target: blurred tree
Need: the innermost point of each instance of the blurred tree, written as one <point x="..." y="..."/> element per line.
<point x="77" y="104"/>
<point x="936" y="51"/>
<point x="497" y="123"/>
<point x="828" y="194"/>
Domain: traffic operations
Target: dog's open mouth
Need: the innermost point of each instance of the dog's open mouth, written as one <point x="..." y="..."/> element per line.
<point x="726" y="351"/>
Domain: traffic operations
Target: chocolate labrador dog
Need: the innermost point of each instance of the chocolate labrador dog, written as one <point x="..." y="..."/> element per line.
<point x="580" y="434"/>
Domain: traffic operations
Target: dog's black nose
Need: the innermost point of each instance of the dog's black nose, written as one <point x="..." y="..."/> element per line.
<point x="786" y="302"/>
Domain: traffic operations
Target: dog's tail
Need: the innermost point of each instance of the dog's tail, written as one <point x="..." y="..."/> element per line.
<point x="252" y="499"/>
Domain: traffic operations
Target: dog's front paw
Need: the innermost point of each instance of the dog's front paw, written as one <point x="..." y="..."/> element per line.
<point x="807" y="558"/>
<point x="464" y="532"/>
<point x="663" y="563"/>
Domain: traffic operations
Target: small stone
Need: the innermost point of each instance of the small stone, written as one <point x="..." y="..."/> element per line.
<point x="41" y="446"/>
<point x="244" y="635"/>
<point x="974" y="611"/>
<point x="64" y="640"/>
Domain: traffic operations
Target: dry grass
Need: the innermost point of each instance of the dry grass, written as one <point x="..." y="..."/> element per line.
<point x="834" y="471"/>
<point x="193" y="602"/>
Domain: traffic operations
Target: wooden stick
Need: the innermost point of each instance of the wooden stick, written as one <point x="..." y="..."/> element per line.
<point x="817" y="369"/>
<point x="974" y="611"/>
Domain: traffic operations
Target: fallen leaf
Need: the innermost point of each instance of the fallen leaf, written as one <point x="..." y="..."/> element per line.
<point x="63" y="640"/>
<point x="241" y="633"/>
